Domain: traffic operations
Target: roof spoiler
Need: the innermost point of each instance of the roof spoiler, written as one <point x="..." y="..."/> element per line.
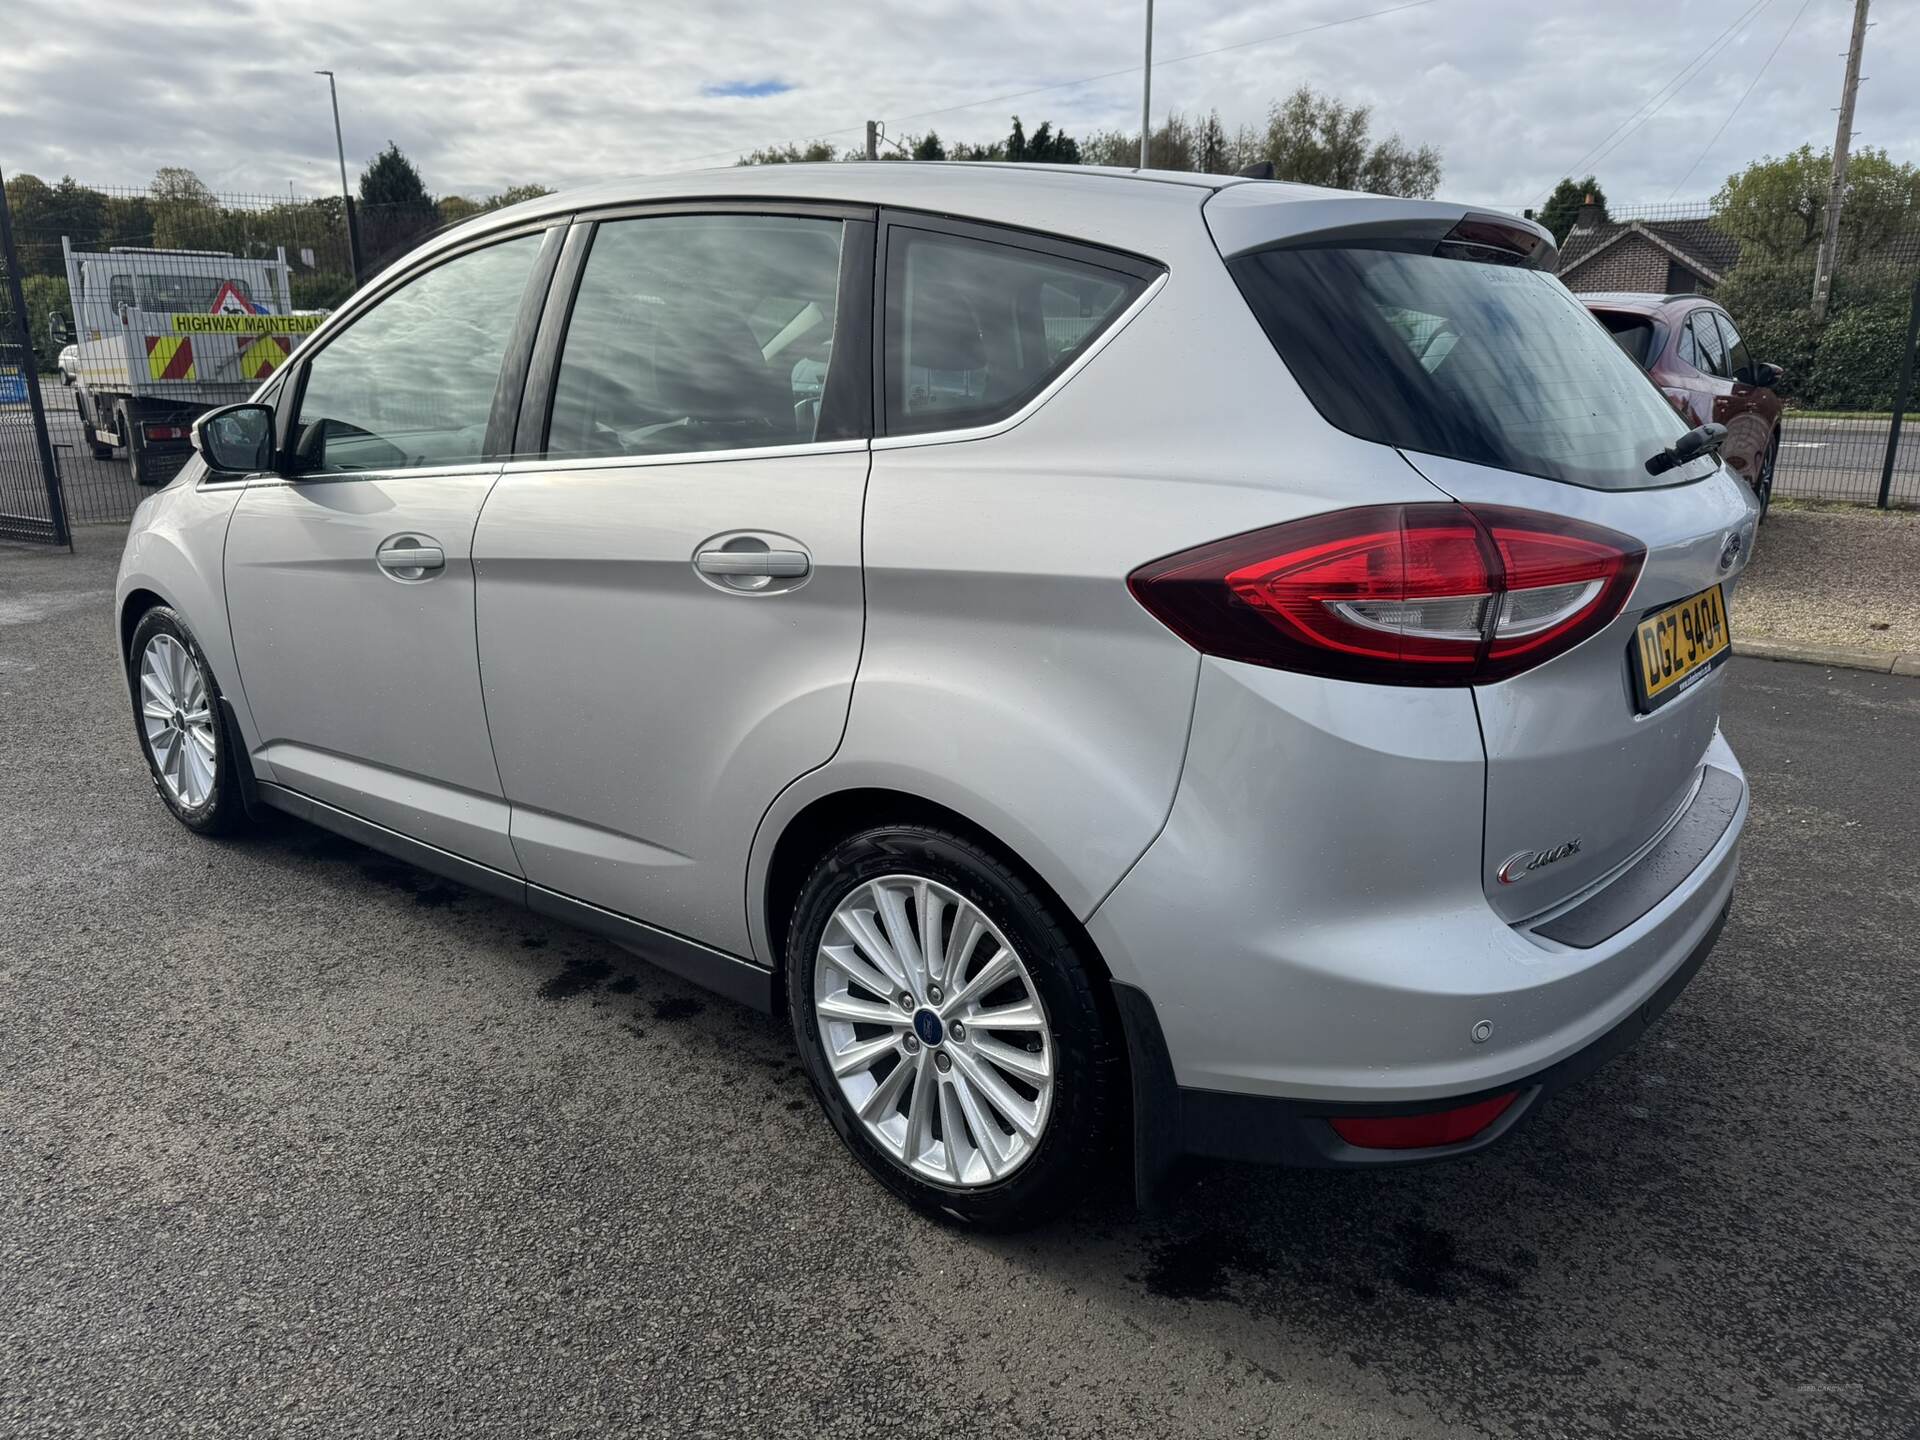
<point x="1247" y="218"/>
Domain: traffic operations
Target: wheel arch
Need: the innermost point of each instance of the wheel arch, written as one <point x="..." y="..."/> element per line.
<point x="805" y="835"/>
<point x="134" y="604"/>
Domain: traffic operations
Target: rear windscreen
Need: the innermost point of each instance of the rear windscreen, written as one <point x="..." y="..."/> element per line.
<point x="1492" y="364"/>
<point x="1632" y="333"/>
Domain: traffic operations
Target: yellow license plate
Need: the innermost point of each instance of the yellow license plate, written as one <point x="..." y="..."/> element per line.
<point x="1679" y="644"/>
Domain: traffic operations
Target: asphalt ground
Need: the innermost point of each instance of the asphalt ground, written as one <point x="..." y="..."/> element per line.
<point x="301" y="1141"/>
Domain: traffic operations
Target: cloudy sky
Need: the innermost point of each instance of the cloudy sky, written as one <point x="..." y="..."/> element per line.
<point x="485" y="93"/>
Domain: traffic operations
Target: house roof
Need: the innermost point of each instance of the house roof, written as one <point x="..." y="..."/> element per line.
<point x="1695" y="243"/>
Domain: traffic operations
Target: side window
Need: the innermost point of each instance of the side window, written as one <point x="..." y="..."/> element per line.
<point x="975" y="329"/>
<point x="1713" y="353"/>
<point x="1688" y="351"/>
<point x="698" y="332"/>
<point x="1738" y="361"/>
<point x="410" y="383"/>
<point x="120" y="291"/>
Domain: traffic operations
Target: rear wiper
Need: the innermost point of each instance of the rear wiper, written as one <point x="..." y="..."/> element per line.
<point x="1701" y="440"/>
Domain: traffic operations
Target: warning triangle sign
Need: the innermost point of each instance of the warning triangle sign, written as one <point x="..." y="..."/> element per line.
<point x="230" y="301"/>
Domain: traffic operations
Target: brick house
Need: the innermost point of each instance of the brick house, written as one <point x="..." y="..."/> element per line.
<point x="1662" y="257"/>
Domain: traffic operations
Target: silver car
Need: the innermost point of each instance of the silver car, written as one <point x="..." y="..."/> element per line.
<point x="1203" y="665"/>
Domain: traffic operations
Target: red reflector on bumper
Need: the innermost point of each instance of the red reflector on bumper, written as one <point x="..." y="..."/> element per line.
<point x="1419" y="1132"/>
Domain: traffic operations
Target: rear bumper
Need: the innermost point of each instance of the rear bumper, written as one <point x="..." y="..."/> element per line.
<point x="1309" y="936"/>
<point x="1171" y="1121"/>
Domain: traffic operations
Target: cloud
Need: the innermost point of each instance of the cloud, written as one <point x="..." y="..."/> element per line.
<point x="482" y="94"/>
<point x="745" y="89"/>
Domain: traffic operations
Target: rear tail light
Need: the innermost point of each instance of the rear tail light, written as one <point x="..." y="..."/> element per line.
<point x="154" y="431"/>
<point x="1439" y="594"/>
<point x="1421" y="1132"/>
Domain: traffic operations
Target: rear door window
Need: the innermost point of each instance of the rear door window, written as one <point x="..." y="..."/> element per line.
<point x="1494" y="364"/>
<point x="1712" y="349"/>
<point x="1738" y="361"/>
<point x="976" y="328"/>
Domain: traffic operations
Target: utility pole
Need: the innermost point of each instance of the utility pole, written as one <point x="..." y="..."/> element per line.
<point x="1146" y="89"/>
<point x="1843" y="137"/>
<point x="346" y="195"/>
<point x="873" y="139"/>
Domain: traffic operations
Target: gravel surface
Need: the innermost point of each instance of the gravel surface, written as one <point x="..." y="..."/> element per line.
<point x="298" y="1141"/>
<point x="1844" y="576"/>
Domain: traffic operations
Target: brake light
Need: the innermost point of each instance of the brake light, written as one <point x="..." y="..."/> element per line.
<point x="155" y="431"/>
<point x="1429" y="594"/>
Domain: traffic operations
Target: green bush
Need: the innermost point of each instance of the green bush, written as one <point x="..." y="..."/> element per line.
<point x="1859" y="360"/>
<point x="319" y="289"/>
<point x="46" y="295"/>
<point x="1853" y="362"/>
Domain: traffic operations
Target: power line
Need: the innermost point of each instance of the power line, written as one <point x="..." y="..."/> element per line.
<point x="1743" y="98"/>
<point x="1092" y="79"/>
<point x="1665" y="93"/>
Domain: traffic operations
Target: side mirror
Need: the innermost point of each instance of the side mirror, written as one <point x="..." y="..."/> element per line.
<point x="1759" y="375"/>
<point x="236" y="439"/>
<point x="57" y="328"/>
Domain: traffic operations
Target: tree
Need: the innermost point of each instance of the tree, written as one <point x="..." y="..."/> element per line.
<point x="928" y="147"/>
<point x="1317" y="139"/>
<point x="185" y="214"/>
<point x="514" y="194"/>
<point x="789" y="154"/>
<point x="1778" y="207"/>
<point x="390" y="179"/>
<point x="1563" y="205"/>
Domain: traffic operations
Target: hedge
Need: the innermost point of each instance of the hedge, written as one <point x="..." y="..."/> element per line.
<point x="1853" y="362"/>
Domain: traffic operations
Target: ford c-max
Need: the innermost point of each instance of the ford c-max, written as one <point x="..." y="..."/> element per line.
<point x="1220" y="666"/>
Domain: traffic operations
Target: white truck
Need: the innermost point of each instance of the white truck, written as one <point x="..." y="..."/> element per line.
<point x="163" y="336"/>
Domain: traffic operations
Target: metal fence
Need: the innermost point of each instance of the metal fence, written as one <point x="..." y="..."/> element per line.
<point x="1845" y="379"/>
<point x="138" y="309"/>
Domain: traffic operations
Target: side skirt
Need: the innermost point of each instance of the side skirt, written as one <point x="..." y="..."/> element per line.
<point x="716" y="970"/>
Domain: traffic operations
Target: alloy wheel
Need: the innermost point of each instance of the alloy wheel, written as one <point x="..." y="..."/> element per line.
<point x="934" y="1031"/>
<point x="177" y="717"/>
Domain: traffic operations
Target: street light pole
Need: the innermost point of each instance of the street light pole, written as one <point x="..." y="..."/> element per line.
<point x="346" y="195"/>
<point x="1146" y="90"/>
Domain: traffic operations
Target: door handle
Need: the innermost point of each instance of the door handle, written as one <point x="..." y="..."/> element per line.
<point x="754" y="564"/>
<point x="410" y="555"/>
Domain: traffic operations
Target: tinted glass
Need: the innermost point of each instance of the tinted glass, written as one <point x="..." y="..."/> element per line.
<point x="1686" y="349"/>
<point x="1493" y="364"/>
<point x="1738" y="361"/>
<point x="411" y="382"/>
<point x="1708" y="344"/>
<point x="976" y="329"/>
<point x="698" y="332"/>
<point x="1632" y="333"/>
<point x="192" y="293"/>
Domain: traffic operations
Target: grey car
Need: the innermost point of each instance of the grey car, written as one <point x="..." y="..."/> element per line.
<point x="1124" y="662"/>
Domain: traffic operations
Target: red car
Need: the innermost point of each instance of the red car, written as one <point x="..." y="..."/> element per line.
<point x="1695" y="355"/>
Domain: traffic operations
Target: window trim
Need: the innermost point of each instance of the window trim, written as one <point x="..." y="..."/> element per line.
<point x="513" y="360"/>
<point x="1014" y="238"/>
<point x="852" y="309"/>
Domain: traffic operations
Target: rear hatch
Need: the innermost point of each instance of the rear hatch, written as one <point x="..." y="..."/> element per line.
<point x="1445" y="336"/>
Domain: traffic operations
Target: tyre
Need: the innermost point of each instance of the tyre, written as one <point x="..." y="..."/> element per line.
<point x="1763" y="486"/>
<point x="976" y="1084"/>
<point x="136" y="444"/>
<point x="98" y="451"/>
<point x="177" y="715"/>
